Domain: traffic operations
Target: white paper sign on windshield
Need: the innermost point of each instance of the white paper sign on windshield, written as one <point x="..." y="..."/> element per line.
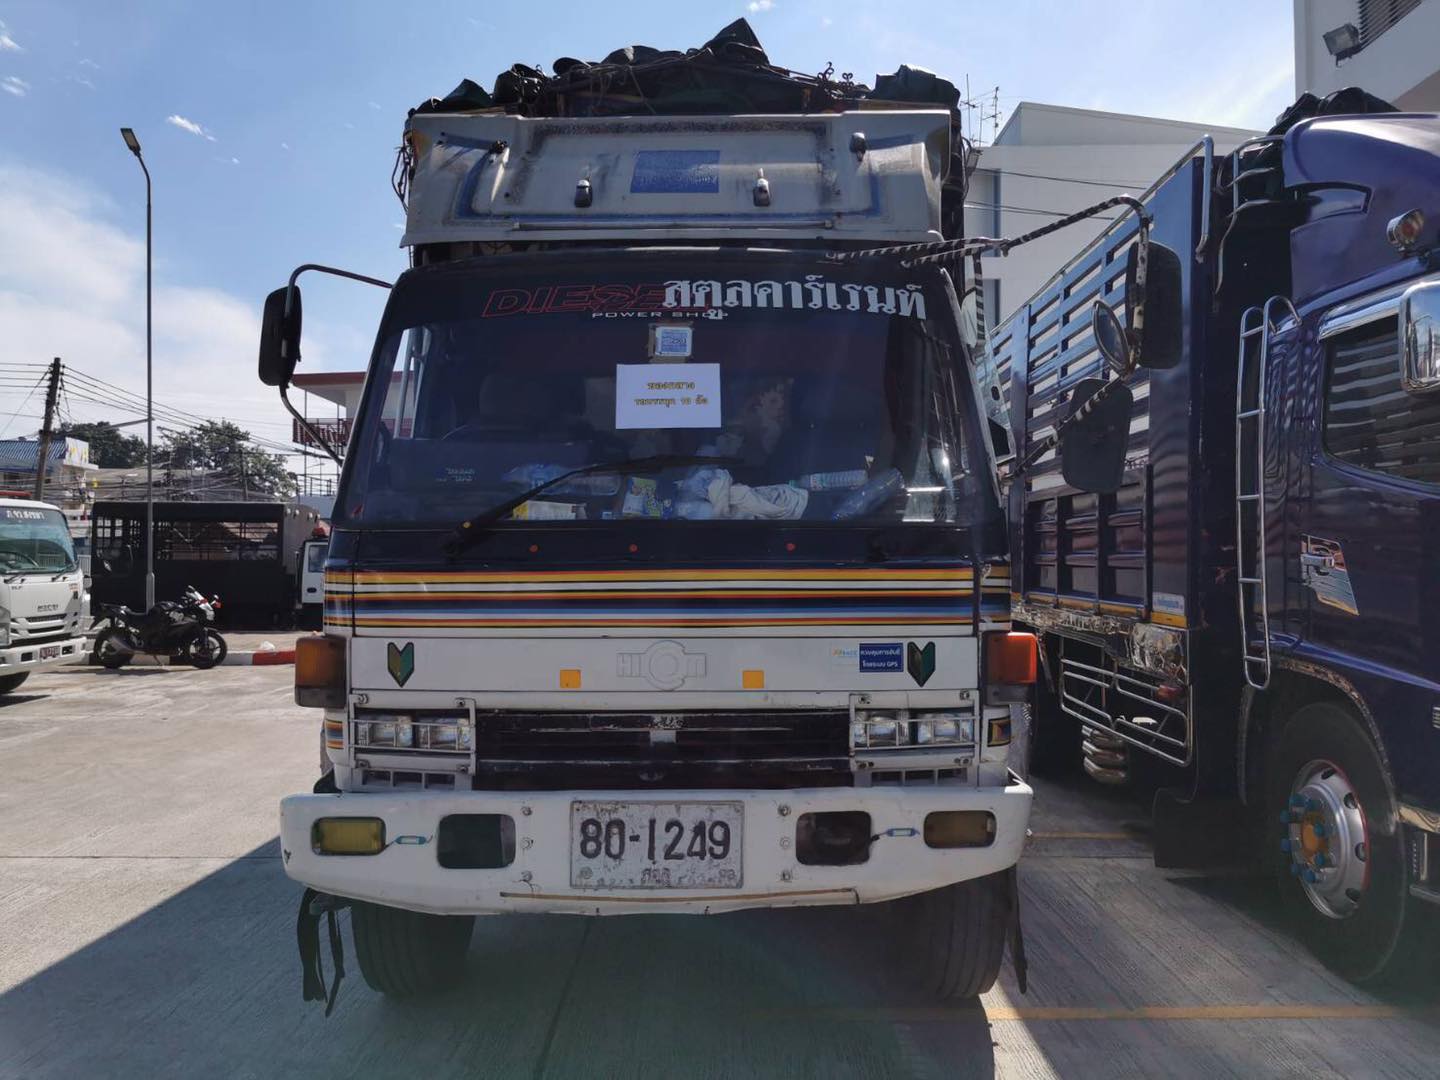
<point x="667" y="396"/>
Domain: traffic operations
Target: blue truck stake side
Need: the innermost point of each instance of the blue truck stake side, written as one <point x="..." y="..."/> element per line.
<point x="1250" y="623"/>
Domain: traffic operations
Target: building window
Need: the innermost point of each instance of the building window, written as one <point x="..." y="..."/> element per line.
<point x="1377" y="16"/>
<point x="1371" y="421"/>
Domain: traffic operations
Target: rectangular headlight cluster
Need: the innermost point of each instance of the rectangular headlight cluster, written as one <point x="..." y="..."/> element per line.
<point x="896" y="729"/>
<point x="399" y="731"/>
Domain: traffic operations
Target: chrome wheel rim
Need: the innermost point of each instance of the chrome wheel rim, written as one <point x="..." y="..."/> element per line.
<point x="1327" y="840"/>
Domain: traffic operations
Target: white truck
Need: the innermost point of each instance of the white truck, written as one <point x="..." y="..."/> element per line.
<point x="668" y="569"/>
<point x="42" y="592"/>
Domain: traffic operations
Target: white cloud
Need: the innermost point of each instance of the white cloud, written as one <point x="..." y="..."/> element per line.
<point x="376" y="106"/>
<point x="826" y="21"/>
<point x="91" y="311"/>
<point x="7" y="43"/>
<point x="284" y="146"/>
<point x="87" y="62"/>
<point x="13" y="84"/>
<point x="189" y="125"/>
<point x="756" y="6"/>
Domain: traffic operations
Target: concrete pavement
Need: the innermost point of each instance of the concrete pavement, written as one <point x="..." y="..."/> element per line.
<point x="149" y="931"/>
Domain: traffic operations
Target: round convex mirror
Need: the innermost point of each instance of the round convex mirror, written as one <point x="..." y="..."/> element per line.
<point x="1110" y="336"/>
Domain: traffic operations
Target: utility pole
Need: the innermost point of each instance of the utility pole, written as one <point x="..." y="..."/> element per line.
<point x="42" y="452"/>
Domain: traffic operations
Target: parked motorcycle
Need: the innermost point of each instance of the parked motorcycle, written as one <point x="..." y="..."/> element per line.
<point x="177" y="628"/>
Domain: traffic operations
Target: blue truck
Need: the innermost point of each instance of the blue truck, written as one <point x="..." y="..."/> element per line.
<point x="1240" y="613"/>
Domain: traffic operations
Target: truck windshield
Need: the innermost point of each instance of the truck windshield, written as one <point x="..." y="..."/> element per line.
<point x="35" y="539"/>
<point x="830" y="397"/>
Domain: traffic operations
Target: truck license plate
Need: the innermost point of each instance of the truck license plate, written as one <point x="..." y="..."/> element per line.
<point x="656" y="845"/>
<point x="49" y="652"/>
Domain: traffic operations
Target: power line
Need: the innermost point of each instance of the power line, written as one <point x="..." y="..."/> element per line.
<point x="1002" y="171"/>
<point x="16" y="413"/>
<point x="1030" y="210"/>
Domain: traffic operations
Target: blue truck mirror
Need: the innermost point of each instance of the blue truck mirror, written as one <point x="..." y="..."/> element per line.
<point x="1159" y="341"/>
<point x="1092" y="446"/>
<point x="280" y="336"/>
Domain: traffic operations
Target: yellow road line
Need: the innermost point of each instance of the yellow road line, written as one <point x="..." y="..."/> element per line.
<point x="1083" y="836"/>
<point x="1204" y="1012"/>
<point x="999" y="1014"/>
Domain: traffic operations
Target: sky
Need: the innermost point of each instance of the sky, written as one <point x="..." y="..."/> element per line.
<point x="270" y="131"/>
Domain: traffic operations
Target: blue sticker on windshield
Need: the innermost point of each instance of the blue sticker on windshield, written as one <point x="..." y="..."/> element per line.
<point x="882" y="656"/>
<point x="676" y="172"/>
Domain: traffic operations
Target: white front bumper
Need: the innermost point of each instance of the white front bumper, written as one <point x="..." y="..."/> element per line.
<point x="409" y="875"/>
<point x="17" y="658"/>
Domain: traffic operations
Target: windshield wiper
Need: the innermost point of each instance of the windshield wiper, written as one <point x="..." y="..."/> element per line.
<point x="470" y="530"/>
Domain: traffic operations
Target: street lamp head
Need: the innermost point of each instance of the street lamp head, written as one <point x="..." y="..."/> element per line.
<point x="130" y="140"/>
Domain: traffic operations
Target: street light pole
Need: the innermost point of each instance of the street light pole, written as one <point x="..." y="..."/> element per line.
<point x="134" y="145"/>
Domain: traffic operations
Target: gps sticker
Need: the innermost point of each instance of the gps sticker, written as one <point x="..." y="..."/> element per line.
<point x="882" y="656"/>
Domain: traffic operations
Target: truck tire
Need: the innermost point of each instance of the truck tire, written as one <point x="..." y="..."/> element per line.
<point x="1346" y="887"/>
<point x="947" y="944"/>
<point x="407" y="954"/>
<point x="10" y="683"/>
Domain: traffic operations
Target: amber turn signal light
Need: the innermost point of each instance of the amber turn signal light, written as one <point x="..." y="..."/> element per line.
<point x="347" y="836"/>
<point x="320" y="672"/>
<point x="959" y="828"/>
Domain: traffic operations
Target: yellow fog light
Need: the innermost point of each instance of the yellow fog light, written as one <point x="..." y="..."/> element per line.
<point x="348" y="836"/>
<point x="959" y="828"/>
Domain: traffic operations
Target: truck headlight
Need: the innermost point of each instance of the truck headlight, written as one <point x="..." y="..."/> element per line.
<point x="392" y="731"/>
<point x="944" y="728"/>
<point x="900" y="729"/>
<point x="398" y="731"/>
<point x="4" y="626"/>
<point x="879" y="729"/>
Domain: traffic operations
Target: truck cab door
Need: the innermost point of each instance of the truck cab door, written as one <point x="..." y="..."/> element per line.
<point x="1368" y="542"/>
<point x="312" y="572"/>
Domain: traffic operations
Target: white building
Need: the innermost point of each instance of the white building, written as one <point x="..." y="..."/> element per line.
<point x="1048" y="161"/>
<point x="1389" y="47"/>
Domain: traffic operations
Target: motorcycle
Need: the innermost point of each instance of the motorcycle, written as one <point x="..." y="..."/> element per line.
<point x="178" y="628"/>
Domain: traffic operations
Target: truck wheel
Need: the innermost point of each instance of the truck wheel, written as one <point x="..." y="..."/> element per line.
<point x="1341" y="865"/>
<point x="409" y="953"/>
<point x="110" y="650"/>
<point x="948" y="943"/>
<point x="10" y="683"/>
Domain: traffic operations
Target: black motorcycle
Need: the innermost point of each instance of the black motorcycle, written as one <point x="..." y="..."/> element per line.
<point x="177" y="628"/>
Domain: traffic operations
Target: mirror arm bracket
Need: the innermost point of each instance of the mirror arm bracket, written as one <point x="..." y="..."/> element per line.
<point x="309" y="429"/>
<point x="323" y="269"/>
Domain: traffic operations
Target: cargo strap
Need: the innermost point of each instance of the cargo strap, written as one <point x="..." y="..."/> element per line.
<point x="307" y="935"/>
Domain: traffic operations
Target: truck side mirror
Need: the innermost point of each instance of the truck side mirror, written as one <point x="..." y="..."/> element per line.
<point x="280" y="337"/>
<point x="1420" y="338"/>
<point x="1159" y="344"/>
<point x="1092" y="448"/>
<point x="1110" y="337"/>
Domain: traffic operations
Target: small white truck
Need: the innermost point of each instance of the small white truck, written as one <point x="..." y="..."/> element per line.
<point x="42" y="592"/>
<point x="668" y="569"/>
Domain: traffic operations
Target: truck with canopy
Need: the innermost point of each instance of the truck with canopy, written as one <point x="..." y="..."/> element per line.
<point x="668" y="569"/>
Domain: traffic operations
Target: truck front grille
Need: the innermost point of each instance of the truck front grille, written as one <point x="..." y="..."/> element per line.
<point x="660" y="750"/>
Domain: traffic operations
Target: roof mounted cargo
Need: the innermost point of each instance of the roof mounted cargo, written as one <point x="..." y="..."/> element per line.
<point x="597" y="151"/>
